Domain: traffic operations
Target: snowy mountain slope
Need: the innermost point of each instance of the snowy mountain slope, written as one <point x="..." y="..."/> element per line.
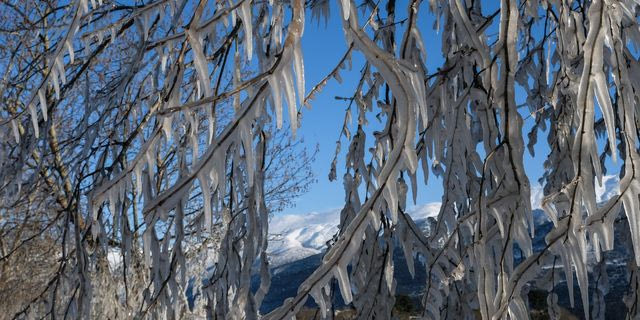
<point x="299" y="251"/>
<point x="294" y="237"/>
<point x="608" y="189"/>
<point x="287" y="277"/>
<point x="297" y="236"/>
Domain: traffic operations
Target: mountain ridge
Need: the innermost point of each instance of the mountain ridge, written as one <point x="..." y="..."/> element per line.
<point x="301" y="240"/>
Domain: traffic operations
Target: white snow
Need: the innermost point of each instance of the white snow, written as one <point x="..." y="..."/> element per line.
<point x="609" y="188"/>
<point x="297" y="236"/>
<point x="424" y="211"/>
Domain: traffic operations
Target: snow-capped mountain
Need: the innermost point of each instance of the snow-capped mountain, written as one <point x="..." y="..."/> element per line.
<point x="299" y="241"/>
<point x="297" y="236"/>
<point x="604" y="191"/>
<point x="294" y="237"/>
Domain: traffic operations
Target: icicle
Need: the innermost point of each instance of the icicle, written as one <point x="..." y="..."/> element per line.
<point x="145" y="24"/>
<point x="113" y="197"/>
<point x="568" y="273"/>
<point x="388" y="272"/>
<point x="291" y="100"/>
<point x="414" y="187"/>
<point x="34" y="119"/>
<point x="70" y="49"/>
<point x="577" y="248"/>
<point x="245" y="135"/>
<point x="631" y="208"/>
<point x="138" y="173"/>
<point x="232" y="18"/>
<point x="274" y="83"/>
<point x="316" y="294"/>
<point x="114" y="34"/>
<point x="548" y="66"/>
<point x="61" y="72"/>
<point x="100" y="36"/>
<point x="200" y="62"/>
<point x="151" y="160"/>
<point x="211" y="121"/>
<point x="298" y="65"/>
<point x="54" y="81"/>
<point x="85" y="6"/>
<point x="417" y="37"/>
<point x="198" y="87"/>
<point x="604" y="101"/>
<point x="340" y="273"/>
<point x="206" y="195"/>
<point x="245" y="14"/>
<point x="166" y="127"/>
<point x="95" y="228"/>
<point x="518" y="309"/>
<point x="43" y="103"/>
<point x="375" y="220"/>
<point x="16" y="131"/>
<point x="407" y="248"/>
<point x="194" y="140"/>
<point x="346" y="8"/>
<point x="146" y="242"/>
<point x="163" y="61"/>
<point x="410" y="158"/>
<point x="391" y="196"/>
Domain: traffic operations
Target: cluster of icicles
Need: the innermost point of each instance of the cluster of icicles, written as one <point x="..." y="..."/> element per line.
<point x="226" y="178"/>
<point x="462" y="123"/>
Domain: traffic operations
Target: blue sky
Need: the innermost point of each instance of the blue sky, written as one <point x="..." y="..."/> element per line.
<point x="323" y="46"/>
